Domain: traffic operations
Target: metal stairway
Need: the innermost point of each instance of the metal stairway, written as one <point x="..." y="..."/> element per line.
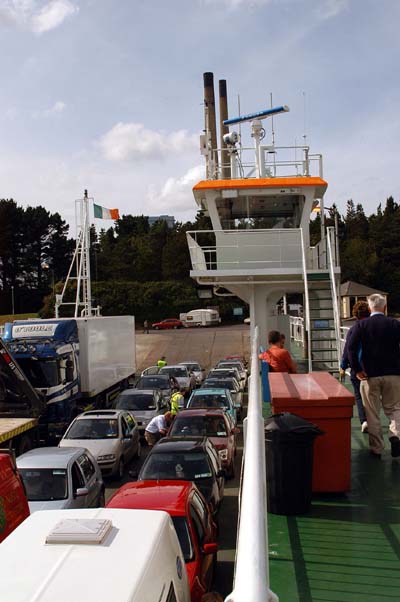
<point x="324" y="344"/>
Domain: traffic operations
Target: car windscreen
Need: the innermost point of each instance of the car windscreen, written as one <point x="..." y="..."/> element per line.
<point x="93" y="428"/>
<point x="45" y="484"/>
<point x="177" y="372"/>
<point x="153" y="382"/>
<point x="193" y="367"/>
<point x="223" y="383"/>
<point x="208" y="401"/>
<point x="209" y="426"/>
<point x="130" y="401"/>
<point x="176" y="465"/>
<point x="183" y="533"/>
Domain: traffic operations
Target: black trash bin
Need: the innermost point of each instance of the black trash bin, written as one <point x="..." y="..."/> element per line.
<point x="289" y="442"/>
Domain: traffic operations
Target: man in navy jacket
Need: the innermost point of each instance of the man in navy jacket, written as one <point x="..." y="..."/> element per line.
<point x="379" y="372"/>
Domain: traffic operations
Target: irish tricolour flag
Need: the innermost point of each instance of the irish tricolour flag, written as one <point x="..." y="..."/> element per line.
<point x="103" y="213"/>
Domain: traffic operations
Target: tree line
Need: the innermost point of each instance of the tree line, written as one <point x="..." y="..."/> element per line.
<point x="143" y="269"/>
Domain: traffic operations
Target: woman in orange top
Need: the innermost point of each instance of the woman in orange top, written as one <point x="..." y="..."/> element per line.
<point x="278" y="358"/>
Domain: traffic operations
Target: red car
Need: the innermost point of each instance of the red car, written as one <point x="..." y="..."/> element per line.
<point x="215" y="424"/>
<point x="167" y="323"/>
<point x="196" y="530"/>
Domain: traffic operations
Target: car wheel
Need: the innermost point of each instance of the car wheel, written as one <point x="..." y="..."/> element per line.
<point x="156" y="327"/>
<point x="175" y="327"/>
<point x="121" y="468"/>
<point x="139" y="450"/>
<point x="102" y="499"/>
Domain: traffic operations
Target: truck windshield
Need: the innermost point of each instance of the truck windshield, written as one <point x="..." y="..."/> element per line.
<point x="45" y="484"/>
<point x="42" y="373"/>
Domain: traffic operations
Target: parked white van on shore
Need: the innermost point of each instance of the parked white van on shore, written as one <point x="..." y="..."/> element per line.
<point x="200" y="317"/>
<point x="94" y="555"/>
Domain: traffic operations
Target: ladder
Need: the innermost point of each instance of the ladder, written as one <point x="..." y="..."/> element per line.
<point x="324" y="344"/>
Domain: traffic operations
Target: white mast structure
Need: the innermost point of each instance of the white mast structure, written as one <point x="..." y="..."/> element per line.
<point x="81" y="263"/>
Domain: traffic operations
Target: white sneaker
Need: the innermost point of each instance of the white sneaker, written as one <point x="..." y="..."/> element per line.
<point x="364" y="427"/>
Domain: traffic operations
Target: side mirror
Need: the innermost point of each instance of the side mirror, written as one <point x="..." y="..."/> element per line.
<point x="235" y="431"/>
<point x="210" y="548"/>
<point x="81" y="491"/>
<point x="221" y="473"/>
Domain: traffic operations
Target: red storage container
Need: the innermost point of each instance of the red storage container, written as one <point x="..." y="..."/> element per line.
<point x="321" y="399"/>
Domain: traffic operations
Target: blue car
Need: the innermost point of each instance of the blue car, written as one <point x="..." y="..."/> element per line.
<point x="213" y="398"/>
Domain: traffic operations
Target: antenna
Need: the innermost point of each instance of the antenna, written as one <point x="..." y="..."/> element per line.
<point x="259" y="115"/>
<point x="304" y="124"/>
<point x="272" y="123"/>
<point x="81" y="261"/>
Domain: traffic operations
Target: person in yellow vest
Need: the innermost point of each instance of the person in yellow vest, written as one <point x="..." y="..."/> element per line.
<point x="177" y="401"/>
<point x="162" y="362"/>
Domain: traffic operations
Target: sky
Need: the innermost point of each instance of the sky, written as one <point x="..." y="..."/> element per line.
<point x="107" y="95"/>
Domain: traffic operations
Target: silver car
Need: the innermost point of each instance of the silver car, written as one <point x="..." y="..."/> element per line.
<point x="181" y="374"/>
<point x="64" y="478"/>
<point x="196" y="369"/>
<point x="112" y="436"/>
<point x="144" y="404"/>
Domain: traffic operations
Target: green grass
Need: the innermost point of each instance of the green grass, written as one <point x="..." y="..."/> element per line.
<point x="12" y="317"/>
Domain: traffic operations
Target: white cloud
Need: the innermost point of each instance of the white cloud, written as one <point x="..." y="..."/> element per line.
<point x="35" y="16"/>
<point x="128" y="141"/>
<point x="238" y="3"/>
<point x="176" y="196"/>
<point x="58" y="107"/>
<point x="331" y="8"/>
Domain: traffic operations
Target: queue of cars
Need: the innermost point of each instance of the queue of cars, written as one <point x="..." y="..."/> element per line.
<point x="183" y="475"/>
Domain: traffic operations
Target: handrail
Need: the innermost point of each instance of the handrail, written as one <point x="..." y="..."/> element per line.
<point x="307" y="302"/>
<point x="336" y="314"/>
<point x="251" y="580"/>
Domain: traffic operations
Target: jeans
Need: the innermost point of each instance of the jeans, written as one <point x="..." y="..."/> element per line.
<point x="357" y="394"/>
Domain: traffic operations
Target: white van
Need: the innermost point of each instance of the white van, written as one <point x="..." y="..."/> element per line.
<point x="200" y="317"/>
<point x="95" y="555"/>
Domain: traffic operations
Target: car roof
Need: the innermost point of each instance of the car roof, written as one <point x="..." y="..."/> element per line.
<point x="100" y="414"/>
<point x="187" y="444"/>
<point x="200" y="412"/>
<point x="137" y="392"/>
<point x="170" y="496"/>
<point x="170" y="366"/>
<point x="158" y="375"/>
<point x="49" y="457"/>
<point x="189" y="362"/>
<point x="210" y="391"/>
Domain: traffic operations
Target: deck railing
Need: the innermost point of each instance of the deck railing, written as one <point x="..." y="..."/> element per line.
<point x="272" y="162"/>
<point x="245" y="249"/>
<point x="251" y="579"/>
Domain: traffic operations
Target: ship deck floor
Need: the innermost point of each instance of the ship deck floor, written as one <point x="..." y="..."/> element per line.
<point x="347" y="548"/>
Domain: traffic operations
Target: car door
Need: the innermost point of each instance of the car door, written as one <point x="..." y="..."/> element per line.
<point x="200" y="517"/>
<point x="77" y="482"/>
<point x="92" y="482"/>
<point x="134" y="431"/>
<point x="127" y="442"/>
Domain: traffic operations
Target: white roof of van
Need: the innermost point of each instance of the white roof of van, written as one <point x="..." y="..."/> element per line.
<point x="33" y="571"/>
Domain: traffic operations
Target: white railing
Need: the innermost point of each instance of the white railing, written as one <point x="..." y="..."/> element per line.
<point x="245" y="249"/>
<point x="306" y="303"/>
<point x="275" y="162"/>
<point x="296" y="325"/>
<point x="336" y="312"/>
<point x="251" y="580"/>
<point x="318" y="255"/>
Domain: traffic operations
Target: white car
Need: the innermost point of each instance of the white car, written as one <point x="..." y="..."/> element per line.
<point x="112" y="436"/>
